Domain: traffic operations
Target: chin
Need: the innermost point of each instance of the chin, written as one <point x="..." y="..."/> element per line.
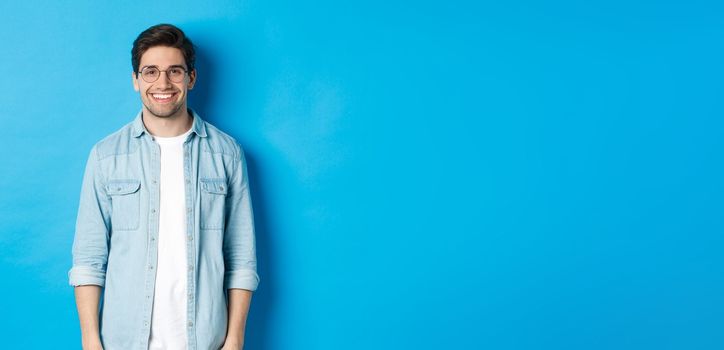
<point x="164" y="113"/>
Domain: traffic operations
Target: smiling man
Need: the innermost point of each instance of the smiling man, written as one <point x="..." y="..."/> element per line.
<point x="165" y="227"/>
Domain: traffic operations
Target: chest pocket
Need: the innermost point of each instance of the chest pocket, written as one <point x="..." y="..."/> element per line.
<point x="125" y="204"/>
<point x="213" y="203"/>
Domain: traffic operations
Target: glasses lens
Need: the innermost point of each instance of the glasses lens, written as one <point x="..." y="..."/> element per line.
<point x="150" y="74"/>
<point x="176" y="74"/>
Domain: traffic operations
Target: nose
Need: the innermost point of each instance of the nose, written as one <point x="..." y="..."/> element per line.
<point x="163" y="79"/>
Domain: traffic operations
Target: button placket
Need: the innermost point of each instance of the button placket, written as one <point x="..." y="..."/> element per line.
<point x="153" y="232"/>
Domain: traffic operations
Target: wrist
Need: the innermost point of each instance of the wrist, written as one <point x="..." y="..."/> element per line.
<point x="234" y="342"/>
<point x="89" y="343"/>
<point x="91" y="339"/>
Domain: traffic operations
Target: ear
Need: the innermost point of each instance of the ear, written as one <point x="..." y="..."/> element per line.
<point x="192" y="79"/>
<point x="135" y="81"/>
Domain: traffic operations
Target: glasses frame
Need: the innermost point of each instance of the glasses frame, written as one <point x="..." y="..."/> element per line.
<point x="140" y="72"/>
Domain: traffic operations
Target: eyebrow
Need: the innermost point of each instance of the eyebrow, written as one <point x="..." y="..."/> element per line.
<point x="169" y="67"/>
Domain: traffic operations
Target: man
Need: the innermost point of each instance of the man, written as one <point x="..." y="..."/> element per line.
<point x="165" y="226"/>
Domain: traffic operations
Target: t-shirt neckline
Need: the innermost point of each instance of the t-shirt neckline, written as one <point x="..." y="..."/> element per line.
<point x="173" y="139"/>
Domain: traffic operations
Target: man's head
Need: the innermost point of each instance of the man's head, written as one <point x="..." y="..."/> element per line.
<point x="163" y="70"/>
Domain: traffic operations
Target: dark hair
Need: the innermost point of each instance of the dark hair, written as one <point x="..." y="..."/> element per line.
<point x="163" y="35"/>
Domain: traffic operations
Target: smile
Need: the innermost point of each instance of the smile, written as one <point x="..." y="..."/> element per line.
<point x="163" y="98"/>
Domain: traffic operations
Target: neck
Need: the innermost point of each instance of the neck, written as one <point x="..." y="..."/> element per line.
<point x="169" y="126"/>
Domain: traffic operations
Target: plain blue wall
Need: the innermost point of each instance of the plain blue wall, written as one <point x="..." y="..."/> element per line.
<point x="425" y="175"/>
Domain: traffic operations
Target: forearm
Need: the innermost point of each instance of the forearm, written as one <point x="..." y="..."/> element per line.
<point x="238" y="305"/>
<point x="87" y="298"/>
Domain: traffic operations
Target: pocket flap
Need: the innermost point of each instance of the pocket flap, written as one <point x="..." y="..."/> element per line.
<point x="217" y="186"/>
<point x="116" y="187"/>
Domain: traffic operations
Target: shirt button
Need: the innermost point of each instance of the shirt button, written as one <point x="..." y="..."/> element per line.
<point x="153" y="210"/>
<point x="154" y="182"/>
<point x="150" y="267"/>
<point x="153" y="239"/>
<point x="191" y="237"/>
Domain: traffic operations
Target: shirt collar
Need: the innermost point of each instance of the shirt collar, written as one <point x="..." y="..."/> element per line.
<point x="198" y="126"/>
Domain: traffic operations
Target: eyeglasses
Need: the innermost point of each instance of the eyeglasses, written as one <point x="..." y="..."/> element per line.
<point x="151" y="73"/>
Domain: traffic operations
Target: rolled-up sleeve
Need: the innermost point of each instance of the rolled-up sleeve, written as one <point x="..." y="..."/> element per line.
<point x="90" y="245"/>
<point x="239" y="236"/>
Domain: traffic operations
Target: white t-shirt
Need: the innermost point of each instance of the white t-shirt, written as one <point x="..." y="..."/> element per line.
<point x="168" y="319"/>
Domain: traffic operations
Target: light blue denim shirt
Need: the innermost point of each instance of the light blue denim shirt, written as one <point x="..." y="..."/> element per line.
<point x="115" y="243"/>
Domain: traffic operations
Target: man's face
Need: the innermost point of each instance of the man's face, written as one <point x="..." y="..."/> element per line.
<point x="164" y="98"/>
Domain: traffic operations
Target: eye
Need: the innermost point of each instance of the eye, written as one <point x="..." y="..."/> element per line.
<point x="150" y="72"/>
<point x="176" y="71"/>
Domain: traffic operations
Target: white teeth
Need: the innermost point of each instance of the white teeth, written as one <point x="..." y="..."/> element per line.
<point x="161" y="96"/>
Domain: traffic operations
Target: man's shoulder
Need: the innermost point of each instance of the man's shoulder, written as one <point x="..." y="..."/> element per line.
<point x="218" y="141"/>
<point x="116" y="143"/>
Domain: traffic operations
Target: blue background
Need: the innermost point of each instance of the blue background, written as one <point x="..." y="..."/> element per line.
<point x="425" y="175"/>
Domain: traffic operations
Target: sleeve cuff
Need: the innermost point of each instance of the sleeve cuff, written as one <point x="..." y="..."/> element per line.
<point x="83" y="275"/>
<point x="241" y="279"/>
